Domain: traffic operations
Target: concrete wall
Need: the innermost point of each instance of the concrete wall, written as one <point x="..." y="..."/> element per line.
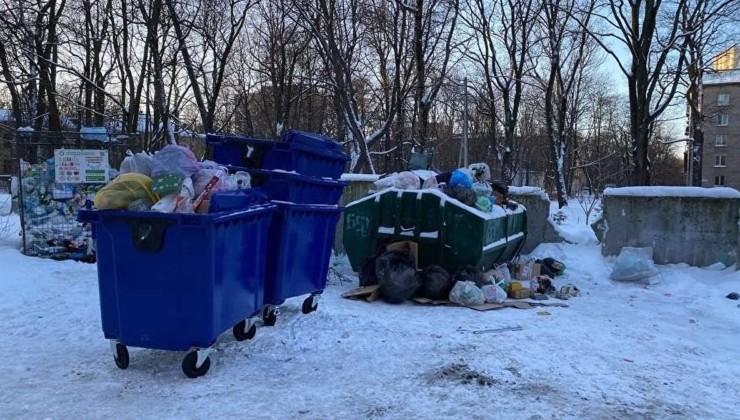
<point x="539" y="229"/>
<point x="697" y="226"/>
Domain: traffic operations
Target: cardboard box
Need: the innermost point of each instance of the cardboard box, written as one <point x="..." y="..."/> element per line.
<point x="520" y="294"/>
<point x="411" y="246"/>
<point x="527" y="270"/>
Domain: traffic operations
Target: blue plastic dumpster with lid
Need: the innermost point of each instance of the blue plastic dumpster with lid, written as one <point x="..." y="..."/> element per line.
<point x="177" y="281"/>
<point x="298" y="259"/>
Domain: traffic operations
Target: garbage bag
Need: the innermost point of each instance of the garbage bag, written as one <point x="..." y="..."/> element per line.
<point x="204" y="176"/>
<point x="481" y="171"/>
<point x="120" y="192"/>
<point x="403" y="181"/>
<point x="367" y="274"/>
<point x="436" y="283"/>
<point x="482" y="189"/>
<point x="466" y="293"/>
<point x="461" y="193"/>
<point x="174" y="158"/>
<point x="494" y="293"/>
<point x="461" y="177"/>
<point x="634" y="264"/>
<point x="396" y="276"/>
<point x="471" y="274"/>
<point x="140" y="163"/>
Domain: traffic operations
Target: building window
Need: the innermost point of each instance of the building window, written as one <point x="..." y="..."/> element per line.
<point x="723" y="99"/>
<point x="720" y="141"/>
<point x="719" y="160"/>
<point x="722" y="120"/>
<point x="719" y="180"/>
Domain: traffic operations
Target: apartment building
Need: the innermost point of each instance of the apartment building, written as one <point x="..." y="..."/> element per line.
<point x="721" y="110"/>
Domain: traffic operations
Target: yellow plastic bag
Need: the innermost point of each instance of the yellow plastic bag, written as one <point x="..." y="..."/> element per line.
<point x="120" y="192"/>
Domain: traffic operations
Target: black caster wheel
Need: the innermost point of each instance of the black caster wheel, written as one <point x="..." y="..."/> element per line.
<point x="242" y="335"/>
<point x="309" y="305"/>
<point x="269" y="317"/>
<point x="121" y="356"/>
<point x="189" y="362"/>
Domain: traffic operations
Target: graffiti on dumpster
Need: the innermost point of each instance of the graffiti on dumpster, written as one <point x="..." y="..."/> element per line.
<point x="359" y="223"/>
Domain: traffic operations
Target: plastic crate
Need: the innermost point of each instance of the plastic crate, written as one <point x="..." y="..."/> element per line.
<point x="299" y="263"/>
<point x="312" y="140"/>
<point x="177" y="281"/>
<point x="240" y="151"/>
<point x="287" y="156"/>
<point x="296" y="188"/>
<point x="236" y="199"/>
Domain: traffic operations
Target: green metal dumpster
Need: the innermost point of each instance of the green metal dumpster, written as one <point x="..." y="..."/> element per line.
<point x="449" y="233"/>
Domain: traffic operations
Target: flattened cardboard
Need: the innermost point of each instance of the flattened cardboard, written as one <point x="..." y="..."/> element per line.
<point x="366" y="293"/>
<point x="411" y="246"/>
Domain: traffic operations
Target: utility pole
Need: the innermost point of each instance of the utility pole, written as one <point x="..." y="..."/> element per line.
<point x="465" y="124"/>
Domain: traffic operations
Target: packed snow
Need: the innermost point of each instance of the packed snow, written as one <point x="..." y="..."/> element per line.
<point x="619" y="351"/>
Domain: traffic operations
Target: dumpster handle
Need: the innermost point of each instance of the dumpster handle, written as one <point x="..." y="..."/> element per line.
<point x="405" y="229"/>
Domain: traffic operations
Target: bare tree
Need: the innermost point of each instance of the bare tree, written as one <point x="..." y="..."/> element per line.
<point x="650" y="30"/>
<point x="435" y="23"/>
<point x="703" y="23"/>
<point x="501" y="46"/>
<point x="568" y="51"/>
<point x="33" y="32"/>
<point x="339" y="36"/>
<point x="278" y="43"/>
<point x="206" y="31"/>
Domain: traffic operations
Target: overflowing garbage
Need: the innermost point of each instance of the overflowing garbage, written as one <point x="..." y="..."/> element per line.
<point x="470" y="185"/>
<point x="444" y="237"/>
<point x="188" y="249"/>
<point x="171" y="180"/>
<point x="392" y="272"/>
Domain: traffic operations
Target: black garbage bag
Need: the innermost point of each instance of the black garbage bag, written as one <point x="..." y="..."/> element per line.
<point x="462" y="194"/>
<point x="436" y="283"/>
<point x="367" y="275"/>
<point x="396" y="276"/>
<point x="469" y="273"/>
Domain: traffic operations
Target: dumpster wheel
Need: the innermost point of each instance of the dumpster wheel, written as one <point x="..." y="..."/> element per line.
<point x="269" y="315"/>
<point x="190" y="365"/>
<point x="121" y="356"/>
<point x="241" y="332"/>
<point x="310" y="304"/>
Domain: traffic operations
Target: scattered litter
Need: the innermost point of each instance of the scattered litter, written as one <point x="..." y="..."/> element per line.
<point x="543" y="313"/>
<point x="733" y="296"/>
<point x="498" y="330"/>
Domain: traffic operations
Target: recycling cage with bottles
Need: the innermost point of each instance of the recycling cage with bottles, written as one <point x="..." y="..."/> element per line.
<point x="47" y="208"/>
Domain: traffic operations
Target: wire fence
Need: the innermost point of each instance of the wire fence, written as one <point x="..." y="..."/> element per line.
<point x="59" y="174"/>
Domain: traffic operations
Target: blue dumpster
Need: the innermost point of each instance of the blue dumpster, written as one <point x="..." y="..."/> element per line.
<point x="296" y="188"/>
<point x="301" y="155"/>
<point x="177" y="281"/>
<point x="298" y="259"/>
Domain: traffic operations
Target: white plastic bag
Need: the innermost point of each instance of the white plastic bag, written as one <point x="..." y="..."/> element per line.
<point x="204" y="176"/>
<point x="403" y="181"/>
<point x="174" y="159"/>
<point x="166" y="204"/>
<point x="466" y="293"/>
<point x="634" y="264"/>
<point x="140" y="163"/>
<point x="494" y="293"/>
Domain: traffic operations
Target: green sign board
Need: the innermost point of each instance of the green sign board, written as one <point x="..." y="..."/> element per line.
<point x="75" y="166"/>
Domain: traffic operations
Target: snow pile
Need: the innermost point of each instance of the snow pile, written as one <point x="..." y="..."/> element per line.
<point x="618" y="351"/>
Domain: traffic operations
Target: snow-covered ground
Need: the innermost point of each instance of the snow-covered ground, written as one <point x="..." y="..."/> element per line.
<point x="620" y="351"/>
